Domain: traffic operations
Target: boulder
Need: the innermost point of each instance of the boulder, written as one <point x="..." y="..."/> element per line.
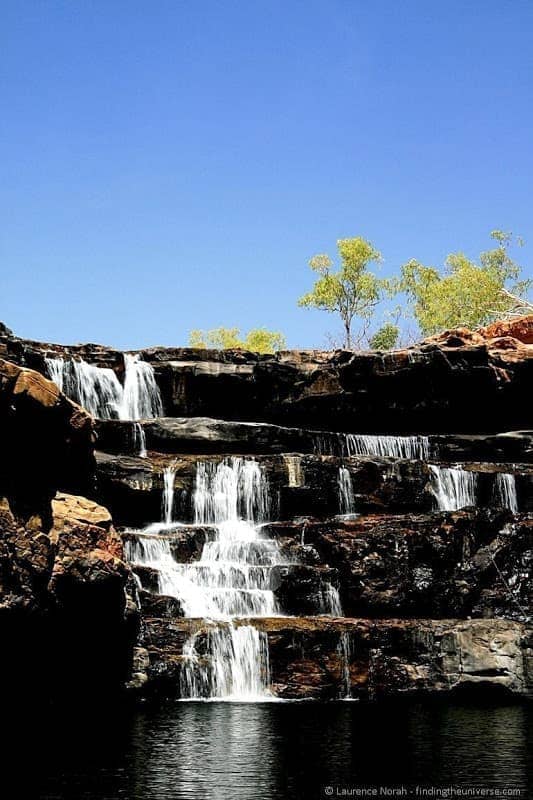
<point x="47" y="441"/>
<point x="65" y="591"/>
<point x="65" y="602"/>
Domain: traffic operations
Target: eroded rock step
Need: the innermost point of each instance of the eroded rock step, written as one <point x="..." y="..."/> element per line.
<point x="324" y="658"/>
<point x="451" y="564"/>
<point x="299" y="485"/>
<point x="204" y="435"/>
<point x="458" y="379"/>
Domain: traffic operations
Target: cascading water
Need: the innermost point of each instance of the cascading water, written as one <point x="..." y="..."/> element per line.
<point x="139" y="439"/>
<point x="352" y="444"/>
<point x="168" y="494"/>
<point x="99" y="390"/>
<point x="413" y="447"/>
<point x="345" y="490"/>
<point x="504" y="491"/>
<point x="453" y="487"/>
<point x="345" y="650"/>
<point x="236" y="664"/>
<point x="230" y="581"/>
<point x="55" y="367"/>
<point x="141" y="398"/>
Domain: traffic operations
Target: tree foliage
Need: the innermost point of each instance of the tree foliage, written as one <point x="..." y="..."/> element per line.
<point x="464" y="292"/>
<point x="258" y="340"/>
<point x="352" y="290"/>
<point x="386" y="338"/>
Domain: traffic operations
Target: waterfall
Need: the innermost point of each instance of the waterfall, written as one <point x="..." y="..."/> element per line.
<point x="234" y="655"/>
<point x="55" y="367"/>
<point x="388" y="446"/>
<point x="230" y="580"/>
<point x="228" y="583"/>
<point x="329" y="601"/>
<point x="504" y="491"/>
<point x="139" y="440"/>
<point x="345" y="491"/>
<point x="355" y="444"/>
<point x="169" y="475"/>
<point x="232" y="490"/>
<point x="100" y="392"/>
<point x="453" y="487"/>
<point x="97" y="389"/>
<point x="345" y="651"/>
<point x="141" y="398"/>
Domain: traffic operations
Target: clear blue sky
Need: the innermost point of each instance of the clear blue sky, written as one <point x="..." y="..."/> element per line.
<point x="171" y="165"/>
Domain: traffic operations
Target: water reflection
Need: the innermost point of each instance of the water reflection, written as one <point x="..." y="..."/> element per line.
<point x="221" y="751"/>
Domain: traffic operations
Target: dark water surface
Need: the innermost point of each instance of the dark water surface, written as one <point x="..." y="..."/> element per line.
<point x="271" y="750"/>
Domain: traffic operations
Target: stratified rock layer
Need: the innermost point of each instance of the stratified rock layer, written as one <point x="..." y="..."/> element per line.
<point x="458" y="382"/>
<point x="436" y="601"/>
<point x="321" y="658"/>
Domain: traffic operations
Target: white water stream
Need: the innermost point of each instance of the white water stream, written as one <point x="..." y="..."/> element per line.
<point x="99" y="390"/>
<point x="453" y="487"/>
<point x="345" y="491"/>
<point x="355" y="444"/>
<point x="504" y="491"/>
<point x="227" y="658"/>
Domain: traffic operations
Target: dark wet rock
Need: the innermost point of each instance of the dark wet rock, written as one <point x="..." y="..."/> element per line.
<point x="513" y="446"/>
<point x="324" y="658"/>
<point x="301" y="589"/>
<point x="433" y="387"/>
<point x="148" y="577"/>
<point x="153" y="605"/>
<point x="65" y="602"/>
<point x="204" y="435"/>
<point x="46" y="440"/>
<point x="308" y="485"/>
<point x="444" y="564"/>
<point x="132" y="487"/>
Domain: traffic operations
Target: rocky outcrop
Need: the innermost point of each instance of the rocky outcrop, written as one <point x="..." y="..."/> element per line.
<point x="425" y="389"/>
<point x="433" y="387"/>
<point x="321" y="658"/>
<point x="47" y="441"/>
<point x="63" y="602"/>
<point x="444" y="564"/>
<point x="435" y="601"/>
<point x="519" y="328"/>
<point x="132" y="487"/>
<point x="66" y="622"/>
<point x="205" y="436"/>
<point x="308" y="485"/>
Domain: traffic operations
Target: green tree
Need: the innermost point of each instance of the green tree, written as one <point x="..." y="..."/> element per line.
<point x="464" y="292"/>
<point x="259" y="340"/>
<point x="351" y="291"/>
<point x="386" y="337"/>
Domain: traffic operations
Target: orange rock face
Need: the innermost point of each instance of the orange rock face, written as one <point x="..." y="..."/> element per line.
<point x="516" y="334"/>
<point x="520" y="328"/>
